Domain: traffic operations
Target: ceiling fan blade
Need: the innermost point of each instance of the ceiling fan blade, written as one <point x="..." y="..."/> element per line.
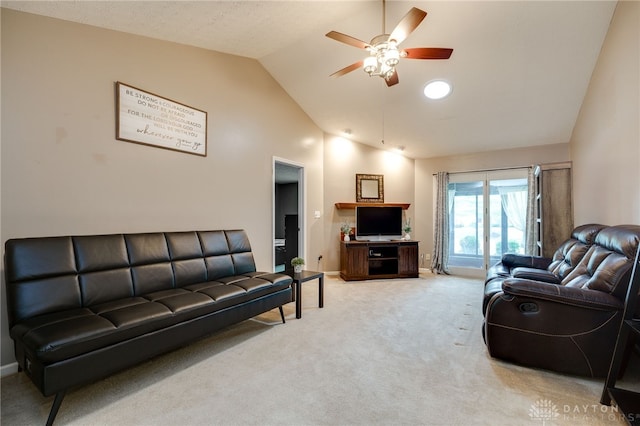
<point x="426" y="53"/>
<point x="393" y="79"/>
<point x="348" y="69"/>
<point x="343" y="38"/>
<point x="407" y="24"/>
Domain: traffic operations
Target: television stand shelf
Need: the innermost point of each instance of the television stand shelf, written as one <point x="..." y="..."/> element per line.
<point x="368" y="260"/>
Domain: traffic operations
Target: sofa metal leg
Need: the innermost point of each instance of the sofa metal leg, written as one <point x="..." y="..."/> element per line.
<point x="55" y="407"/>
<point x="281" y="314"/>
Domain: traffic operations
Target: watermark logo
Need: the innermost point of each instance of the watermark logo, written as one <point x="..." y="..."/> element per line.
<point x="544" y="411"/>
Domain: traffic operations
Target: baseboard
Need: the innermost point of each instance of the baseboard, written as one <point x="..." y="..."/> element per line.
<point x="9" y="369"/>
<point x="420" y="270"/>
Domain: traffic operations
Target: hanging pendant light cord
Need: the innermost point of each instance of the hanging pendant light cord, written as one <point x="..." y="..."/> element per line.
<point x="382" y="118"/>
<point x="384" y="13"/>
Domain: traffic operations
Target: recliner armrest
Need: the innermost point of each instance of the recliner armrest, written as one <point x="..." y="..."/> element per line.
<point x="512" y="260"/>
<point x="535" y="274"/>
<point x="586" y="298"/>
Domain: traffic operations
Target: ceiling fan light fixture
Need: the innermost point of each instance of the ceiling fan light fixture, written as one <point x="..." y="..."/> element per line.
<point x="391" y="56"/>
<point x="386" y="72"/>
<point x="382" y="60"/>
<point x="384" y="54"/>
<point x="437" y="89"/>
<point x="370" y="64"/>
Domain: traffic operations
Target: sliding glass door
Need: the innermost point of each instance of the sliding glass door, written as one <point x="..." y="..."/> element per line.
<point x="487" y="217"/>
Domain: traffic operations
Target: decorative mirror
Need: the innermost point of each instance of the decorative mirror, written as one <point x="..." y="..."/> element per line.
<point x="369" y="188"/>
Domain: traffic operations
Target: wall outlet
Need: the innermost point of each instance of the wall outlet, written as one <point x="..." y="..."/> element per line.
<point x="427" y="257"/>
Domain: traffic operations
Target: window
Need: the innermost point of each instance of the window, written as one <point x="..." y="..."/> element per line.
<point x="487" y="217"/>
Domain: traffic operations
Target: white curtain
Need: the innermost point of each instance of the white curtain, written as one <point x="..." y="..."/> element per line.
<point x="514" y="204"/>
<point x="519" y="205"/>
<point x="530" y="238"/>
<point x="440" y="260"/>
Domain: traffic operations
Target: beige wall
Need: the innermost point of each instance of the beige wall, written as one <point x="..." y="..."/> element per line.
<point x="605" y="145"/>
<point x="63" y="171"/>
<point x="425" y="169"/>
<point x="343" y="159"/>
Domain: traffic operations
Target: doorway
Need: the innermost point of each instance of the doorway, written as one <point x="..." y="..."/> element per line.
<point x="487" y="218"/>
<point x="288" y="213"/>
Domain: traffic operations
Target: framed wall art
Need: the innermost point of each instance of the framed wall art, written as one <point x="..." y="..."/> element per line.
<point x="146" y="118"/>
<point x="369" y="188"/>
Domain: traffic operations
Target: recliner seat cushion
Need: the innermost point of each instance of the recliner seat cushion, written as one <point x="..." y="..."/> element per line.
<point x="535" y="274"/>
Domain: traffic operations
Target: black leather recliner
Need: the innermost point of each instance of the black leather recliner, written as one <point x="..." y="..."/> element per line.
<point x="552" y="270"/>
<point x="569" y="321"/>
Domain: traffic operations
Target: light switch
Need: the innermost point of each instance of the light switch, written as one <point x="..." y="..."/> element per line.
<point x="316" y="214"/>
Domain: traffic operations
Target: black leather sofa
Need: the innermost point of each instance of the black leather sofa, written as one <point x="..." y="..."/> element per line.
<point x="83" y="307"/>
<point x="562" y="314"/>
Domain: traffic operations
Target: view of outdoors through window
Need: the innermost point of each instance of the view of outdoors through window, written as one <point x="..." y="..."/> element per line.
<point x="505" y="217"/>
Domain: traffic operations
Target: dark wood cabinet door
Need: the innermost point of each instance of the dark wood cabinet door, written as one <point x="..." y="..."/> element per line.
<point x="354" y="260"/>
<point x="408" y="259"/>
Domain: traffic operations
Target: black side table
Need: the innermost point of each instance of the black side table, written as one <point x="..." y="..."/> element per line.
<point x="298" y="279"/>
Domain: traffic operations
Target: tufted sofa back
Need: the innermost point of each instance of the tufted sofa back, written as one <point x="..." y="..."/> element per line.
<point x="569" y="254"/>
<point x="50" y="274"/>
<point x="608" y="262"/>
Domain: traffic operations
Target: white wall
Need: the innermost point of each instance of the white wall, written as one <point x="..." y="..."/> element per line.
<point x="63" y="171"/>
<point x="605" y="145"/>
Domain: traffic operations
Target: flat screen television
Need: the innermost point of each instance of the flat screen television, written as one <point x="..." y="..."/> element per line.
<point x="378" y="223"/>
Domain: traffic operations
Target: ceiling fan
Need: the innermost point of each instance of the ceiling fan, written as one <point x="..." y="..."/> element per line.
<point x="384" y="53"/>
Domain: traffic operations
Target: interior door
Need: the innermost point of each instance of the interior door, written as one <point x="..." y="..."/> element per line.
<point x="288" y="209"/>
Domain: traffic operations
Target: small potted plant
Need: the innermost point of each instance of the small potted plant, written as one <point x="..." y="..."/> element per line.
<point x="345" y="228"/>
<point x="297" y="263"/>
<point x="407" y="229"/>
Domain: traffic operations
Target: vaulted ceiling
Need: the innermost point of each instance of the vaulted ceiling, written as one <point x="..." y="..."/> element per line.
<point x="519" y="69"/>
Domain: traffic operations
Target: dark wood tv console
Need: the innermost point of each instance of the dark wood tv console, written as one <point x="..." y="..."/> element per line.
<point x="367" y="260"/>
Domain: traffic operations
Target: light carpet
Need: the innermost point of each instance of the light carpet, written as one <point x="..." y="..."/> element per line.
<point x="382" y="352"/>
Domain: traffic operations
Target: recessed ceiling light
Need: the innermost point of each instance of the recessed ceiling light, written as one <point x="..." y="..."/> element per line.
<point x="437" y="89"/>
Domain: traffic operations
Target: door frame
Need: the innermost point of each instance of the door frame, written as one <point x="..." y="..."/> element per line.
<point x="301" y="207"/>
<point x="486" y="176"/>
